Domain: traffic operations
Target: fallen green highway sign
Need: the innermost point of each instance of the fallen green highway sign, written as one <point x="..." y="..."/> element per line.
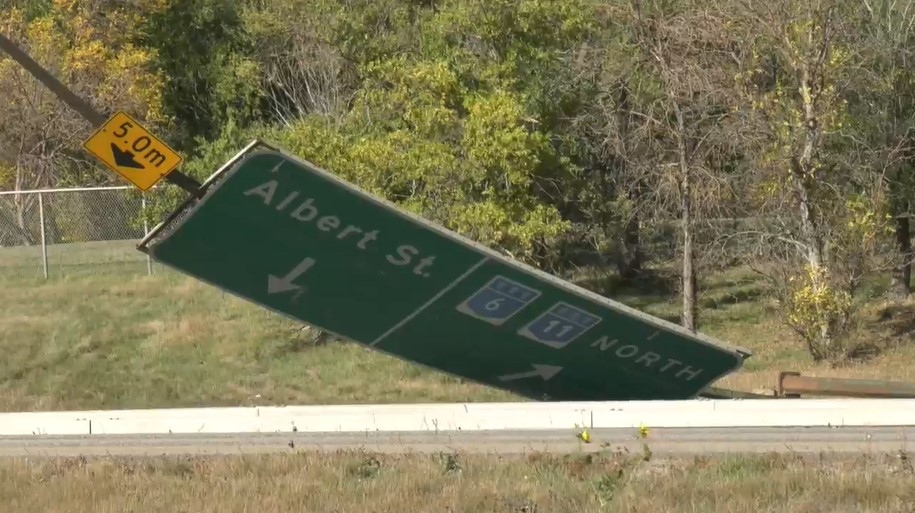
<point x="292" y="238"/>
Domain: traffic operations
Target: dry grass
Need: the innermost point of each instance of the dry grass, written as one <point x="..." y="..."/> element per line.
<point x="735" y="307"/>
<point x="134" y="341"/>
<point x="367" y="483"/>
<point x="112" y="337"/>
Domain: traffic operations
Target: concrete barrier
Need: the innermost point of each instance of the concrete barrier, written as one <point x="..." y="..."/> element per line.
<point x="468" y="417"/>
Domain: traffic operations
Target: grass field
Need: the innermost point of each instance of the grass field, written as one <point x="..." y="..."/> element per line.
<point x="452" y="483"/>
<point x="103" y="334"/>
<point x="76" y="259"/>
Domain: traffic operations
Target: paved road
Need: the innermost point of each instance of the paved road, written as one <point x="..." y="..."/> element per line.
<point x="680" y="441"/>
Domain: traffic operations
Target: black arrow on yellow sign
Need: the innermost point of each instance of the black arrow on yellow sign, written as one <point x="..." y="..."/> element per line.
<point x="125" y="158"/>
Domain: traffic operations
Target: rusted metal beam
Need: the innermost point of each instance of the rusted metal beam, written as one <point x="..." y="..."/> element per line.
<point x="792" y="384"/>
<point x="724" y="393"/>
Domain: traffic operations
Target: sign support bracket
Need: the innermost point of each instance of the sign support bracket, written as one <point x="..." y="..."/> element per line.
<point x="81" y="106"/>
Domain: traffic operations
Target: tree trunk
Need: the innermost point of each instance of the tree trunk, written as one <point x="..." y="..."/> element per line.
<point x="26" y="217"/>
<point x="690" y="307"/>
<point x="631" y="253"/>
<point x="902" y="273"/>
<point x="688" y="280"/>
<point x="630" y="258"/>
<point x="11" y="233"/>
<point x="802" y="169"/>
<point x="802" y="175"/>
<point x="809" y="225"/>
<point x="52" y="227"/>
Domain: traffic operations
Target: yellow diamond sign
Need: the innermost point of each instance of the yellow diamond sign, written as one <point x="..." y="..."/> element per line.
<point x="131" y="151"/>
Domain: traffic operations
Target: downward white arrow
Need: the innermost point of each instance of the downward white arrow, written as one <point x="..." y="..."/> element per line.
<point x="276" y="285"/>
<point x="544" y="371"/>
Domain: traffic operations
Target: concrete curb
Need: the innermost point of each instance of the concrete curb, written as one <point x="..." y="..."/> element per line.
<point x="468" y="417"/>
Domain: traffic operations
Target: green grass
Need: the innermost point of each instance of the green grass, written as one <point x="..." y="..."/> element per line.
<point x="106" y="335"/>
<point x="121" y="339"/>
<point x="74" y="259"/>
<point x="538" y="483"/>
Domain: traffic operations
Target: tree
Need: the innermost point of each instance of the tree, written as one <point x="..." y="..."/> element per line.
<point x="886" y="101"/>
<point x="203" y="52"/>
<point x="309" y="53"/>
<point x="614" y="143"/>
<point x="417" y="137"/>
<point x="452" y="129"/>
<point x="88" y="46"/>
<point x="523" y="48"/>
<point x="798" y="78"/>
<point x="661" y="124"/>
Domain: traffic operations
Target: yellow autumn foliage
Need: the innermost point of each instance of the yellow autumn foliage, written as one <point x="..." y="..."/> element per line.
<point x="89" y="47"/>
<point x="818" y="311"/>
<point x="6" y="176"/>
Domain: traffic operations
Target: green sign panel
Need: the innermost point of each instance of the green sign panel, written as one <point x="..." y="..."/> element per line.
<point x="285" y="235"/>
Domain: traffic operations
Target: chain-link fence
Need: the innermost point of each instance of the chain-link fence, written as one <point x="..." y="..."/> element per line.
<point x="53" y="232"/>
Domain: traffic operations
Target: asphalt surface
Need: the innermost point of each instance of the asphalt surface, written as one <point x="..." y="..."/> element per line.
<point x="672" y="442"/>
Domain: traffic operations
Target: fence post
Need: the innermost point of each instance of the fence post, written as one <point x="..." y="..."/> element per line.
<point x="145" y="231"/>
<point x="44" y="244"/>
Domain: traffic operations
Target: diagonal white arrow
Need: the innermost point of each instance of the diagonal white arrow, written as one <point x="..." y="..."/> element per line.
<point x="276" y="284"/>
<point x="546" y="372"/>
